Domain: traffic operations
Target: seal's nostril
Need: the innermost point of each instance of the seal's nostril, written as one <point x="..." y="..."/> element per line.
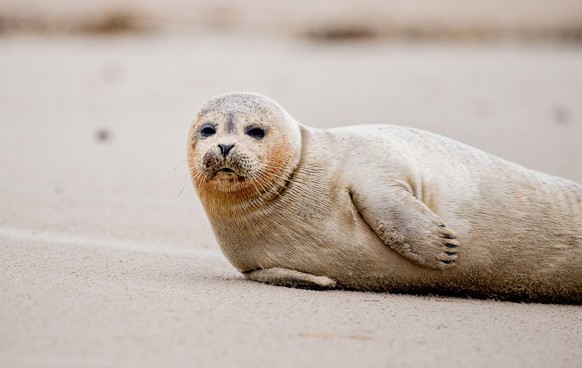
<point x="225" y="148"/>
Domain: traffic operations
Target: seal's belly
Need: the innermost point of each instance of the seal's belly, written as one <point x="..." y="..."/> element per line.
<point x="308" y="236"/>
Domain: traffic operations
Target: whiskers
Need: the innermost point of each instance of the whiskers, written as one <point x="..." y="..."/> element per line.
<point x="254" y="185"/>
<point x="180" y="175"/>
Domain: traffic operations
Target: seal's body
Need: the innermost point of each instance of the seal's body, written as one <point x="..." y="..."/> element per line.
<point x="380" y="207"/>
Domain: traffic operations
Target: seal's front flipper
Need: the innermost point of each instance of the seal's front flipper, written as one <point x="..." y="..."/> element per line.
<point x="407" y="225"/>
<point x="286" y="277"/>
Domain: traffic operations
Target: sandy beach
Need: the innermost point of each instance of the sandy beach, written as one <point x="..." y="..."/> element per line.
<point x="107" y="259"/>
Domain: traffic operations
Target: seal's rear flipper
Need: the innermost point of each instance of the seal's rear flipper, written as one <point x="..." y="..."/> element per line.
<point x="286" y="277"/>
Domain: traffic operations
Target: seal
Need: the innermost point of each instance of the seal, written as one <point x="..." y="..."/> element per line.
<point x="380" y="208"/>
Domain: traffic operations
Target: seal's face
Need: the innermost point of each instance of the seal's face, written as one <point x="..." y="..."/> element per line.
<point x="241" y="144"/>
<point x="230" y="149"/>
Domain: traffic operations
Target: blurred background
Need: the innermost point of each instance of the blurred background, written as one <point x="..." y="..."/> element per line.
<point x="98" y="218"/>
<point x="322" y="19"/>
<point x="96" y="96"/>
<point x="502" y="75"/>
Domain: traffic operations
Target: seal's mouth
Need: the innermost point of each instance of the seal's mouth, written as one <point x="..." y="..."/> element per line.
<point x="228" y="174"/>
<point x="225" y="170"/>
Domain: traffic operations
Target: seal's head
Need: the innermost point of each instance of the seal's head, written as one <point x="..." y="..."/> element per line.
<point x="242" y="147"/>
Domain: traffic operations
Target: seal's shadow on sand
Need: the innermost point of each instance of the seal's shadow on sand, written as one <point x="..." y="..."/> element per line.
<point x="418" y="292"/>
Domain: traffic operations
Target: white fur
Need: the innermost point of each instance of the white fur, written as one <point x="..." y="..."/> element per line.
<point x="363" y="209"/>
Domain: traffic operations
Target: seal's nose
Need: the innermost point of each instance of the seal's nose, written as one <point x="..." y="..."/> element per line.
<point x="225" y="148"/>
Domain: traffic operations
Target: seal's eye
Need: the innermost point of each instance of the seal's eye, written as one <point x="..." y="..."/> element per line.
<point x="207" y="131"/>
<point x="256" y="133"/>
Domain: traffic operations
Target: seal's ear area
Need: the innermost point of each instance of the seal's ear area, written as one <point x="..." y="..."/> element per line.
<point x="287" y="277"/>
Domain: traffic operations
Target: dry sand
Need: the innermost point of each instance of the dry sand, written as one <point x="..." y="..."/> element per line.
<point x="107" y="259"/>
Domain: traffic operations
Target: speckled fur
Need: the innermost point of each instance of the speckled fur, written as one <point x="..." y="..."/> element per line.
<point x="342" y="207"/>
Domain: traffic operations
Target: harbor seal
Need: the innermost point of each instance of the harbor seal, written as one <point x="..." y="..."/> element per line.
<point x="380" y="208"/>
